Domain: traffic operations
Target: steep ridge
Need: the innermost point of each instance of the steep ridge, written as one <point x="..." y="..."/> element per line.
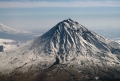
<point x="68" y="46"/>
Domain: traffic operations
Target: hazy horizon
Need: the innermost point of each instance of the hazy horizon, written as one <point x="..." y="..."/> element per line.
<point x="44" y="14"/>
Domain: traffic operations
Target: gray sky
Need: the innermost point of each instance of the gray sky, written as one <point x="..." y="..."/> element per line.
<point x="44" y="14"/>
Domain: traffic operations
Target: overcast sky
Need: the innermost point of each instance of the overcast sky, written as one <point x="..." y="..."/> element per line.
<point x="44" y="14"/>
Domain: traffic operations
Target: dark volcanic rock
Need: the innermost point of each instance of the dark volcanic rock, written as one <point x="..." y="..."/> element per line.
<point x="1" y="48"/>
<point x="58" y="73"/>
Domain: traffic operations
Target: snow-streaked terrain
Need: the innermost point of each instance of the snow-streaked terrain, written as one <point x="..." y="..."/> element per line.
<point x="8" y="44"/>
<point x="68" y="43"/>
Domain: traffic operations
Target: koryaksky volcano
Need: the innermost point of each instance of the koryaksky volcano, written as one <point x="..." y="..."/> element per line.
<point x="67" y="52"/>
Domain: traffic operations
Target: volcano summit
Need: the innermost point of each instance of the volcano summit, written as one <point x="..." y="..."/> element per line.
<point x="67" y="52"/>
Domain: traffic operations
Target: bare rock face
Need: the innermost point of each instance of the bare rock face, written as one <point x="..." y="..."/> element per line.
<point x="1" y="48"/>
<point x="67" y="52"/>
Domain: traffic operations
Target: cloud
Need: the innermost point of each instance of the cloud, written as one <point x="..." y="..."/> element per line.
<point x="76" y="3"/>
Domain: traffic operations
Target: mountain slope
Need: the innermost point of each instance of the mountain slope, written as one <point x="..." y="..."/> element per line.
<point x="70" y="33"/>
<point x="68" y="48"/>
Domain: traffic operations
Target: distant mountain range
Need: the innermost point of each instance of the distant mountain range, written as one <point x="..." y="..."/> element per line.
<point x="67" y="52"/>
<point x="108" y="32"/>
<point x="10" y="33"/>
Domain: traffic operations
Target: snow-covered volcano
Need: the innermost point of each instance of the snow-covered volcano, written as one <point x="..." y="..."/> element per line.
<point x="67" y="43"/>
<point x="69" y="37"/>
<point x="69" y="40"/>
